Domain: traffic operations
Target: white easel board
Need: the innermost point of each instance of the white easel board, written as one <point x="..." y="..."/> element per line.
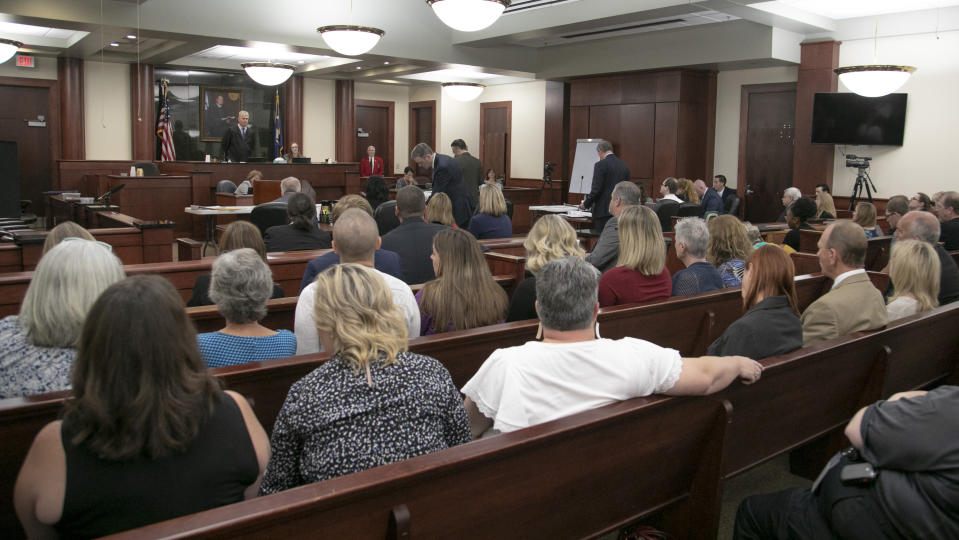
<point x="581" y="181"/>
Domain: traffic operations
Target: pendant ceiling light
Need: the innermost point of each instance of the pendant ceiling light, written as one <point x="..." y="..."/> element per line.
<point x="461" y="91"/>
<point x="350" y="40"/>
<point x="268" y="73"/>
<point x="8" y="48"/>
<point x="874" y="80"/>
<point x="468" y="15"/>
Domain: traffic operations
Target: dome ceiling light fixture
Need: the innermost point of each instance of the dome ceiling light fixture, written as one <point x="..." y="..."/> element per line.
<point x="268" y="73"/>
<point x="8" y="48"/>
<point x="468" y="15"/>
<point x="874" y="80"/>
<point x="350" y="40"/>
<point x="463" y="91"/>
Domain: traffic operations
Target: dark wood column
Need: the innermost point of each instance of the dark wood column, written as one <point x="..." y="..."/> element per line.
<point x="143" y="129"/>
<point x="345" y="121"/>
<point x="812" y="163"/>
<point x="292" y="97"/>
<point x="557" y="133"/>
<point x="70" y="77"/>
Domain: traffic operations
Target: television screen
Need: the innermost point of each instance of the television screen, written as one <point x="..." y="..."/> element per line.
<point x="854" y="119"/>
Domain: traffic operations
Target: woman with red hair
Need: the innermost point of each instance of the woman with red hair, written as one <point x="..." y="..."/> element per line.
<point x="771" y="324"/>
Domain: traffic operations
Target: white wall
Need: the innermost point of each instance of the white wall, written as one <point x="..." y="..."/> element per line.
<point x="728" y="100"/>
<point x="106" y="111"/>
<point x="46" y="68"/>
<point x="400" y="96"/>
<point x="319" y="141"/>
<point x="925" y="161"/>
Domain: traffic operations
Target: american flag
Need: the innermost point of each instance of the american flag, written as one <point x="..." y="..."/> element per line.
<point x="164" y="126"/>
<point x="277" y="127"/>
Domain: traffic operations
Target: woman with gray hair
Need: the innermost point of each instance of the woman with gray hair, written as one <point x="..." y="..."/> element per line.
<point x="240" y="286"/>
<point x="573" y="369"/>
<point x="38" y="346"/>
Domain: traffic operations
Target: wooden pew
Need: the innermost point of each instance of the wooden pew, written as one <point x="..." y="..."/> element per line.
<point x="877" y="249"/>
<point x="688" y="324"/>
<point x="535" y="483"/>
<point x="805" y="263"/>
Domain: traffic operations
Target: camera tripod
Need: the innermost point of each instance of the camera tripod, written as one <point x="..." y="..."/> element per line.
<point x="863" y="181"/>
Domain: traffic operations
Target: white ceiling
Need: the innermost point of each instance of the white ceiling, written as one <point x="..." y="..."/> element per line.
<point x="533" y="39"/>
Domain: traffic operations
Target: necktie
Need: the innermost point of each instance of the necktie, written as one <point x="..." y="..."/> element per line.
<point x="371" y="164"/>
<point x="243" y="131"/>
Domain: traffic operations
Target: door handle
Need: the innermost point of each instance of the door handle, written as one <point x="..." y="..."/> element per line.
<point x="749" y="190"/>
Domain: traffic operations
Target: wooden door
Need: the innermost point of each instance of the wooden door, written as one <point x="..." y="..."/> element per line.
<point x="422" y="129"/>
<point x="374" y="126"/>
<point x="766" y="130"/>
<point x="496" y="119"/>
<point x="24" y="105"/>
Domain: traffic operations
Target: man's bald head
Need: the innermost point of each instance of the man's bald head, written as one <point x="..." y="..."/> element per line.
<point x="918" y="225"/>
<point x="355" y="237"/>
<point x="849" y="242"/>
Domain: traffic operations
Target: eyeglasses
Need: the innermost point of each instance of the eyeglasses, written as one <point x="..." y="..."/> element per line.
<point x="75" y="239"/>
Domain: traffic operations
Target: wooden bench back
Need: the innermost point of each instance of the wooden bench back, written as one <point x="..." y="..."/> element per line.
<point x="877" y="249"/>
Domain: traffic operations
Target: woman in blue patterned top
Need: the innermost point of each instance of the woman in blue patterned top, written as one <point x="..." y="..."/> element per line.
<point x="728" y="249"/>
<point x="373" y="403"/>
<point x="240" y="286"/>
<point x="37" y="347"/>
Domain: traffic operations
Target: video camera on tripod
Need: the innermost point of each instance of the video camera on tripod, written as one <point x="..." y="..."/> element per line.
<point x="859" y="162"/>
<point x="863" y="180"/>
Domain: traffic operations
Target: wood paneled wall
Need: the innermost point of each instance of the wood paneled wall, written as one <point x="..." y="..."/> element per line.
<point x="813" y="163"/>
<point x="70" y="76"/>
<point x="292" y="96"/>
<point x="662" y="123"/>
<point x="142" y="112"/>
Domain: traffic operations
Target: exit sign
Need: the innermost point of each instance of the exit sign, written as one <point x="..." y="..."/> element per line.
<point x="26" y="61"/>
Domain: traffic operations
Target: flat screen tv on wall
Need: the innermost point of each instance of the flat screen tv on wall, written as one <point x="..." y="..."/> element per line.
<point x="853" y="119"/>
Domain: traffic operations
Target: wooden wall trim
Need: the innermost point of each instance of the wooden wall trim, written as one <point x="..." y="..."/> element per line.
<point x="143" y="122"/>
<point x="508" y="105"/>
<point x="414" y="105"/>
<point x="70" y="76"/>
<point x="345" y="121"/>
<point x="292" y="106"/>
<point x="710" y="125"/>
<point x="391" y="118"/>
<point x="557" y="132"/>
<point x="813" y="163"/>
<point x="53" y="121"/>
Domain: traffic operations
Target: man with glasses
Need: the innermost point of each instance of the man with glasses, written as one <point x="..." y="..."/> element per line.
<point x="896" y="207"/>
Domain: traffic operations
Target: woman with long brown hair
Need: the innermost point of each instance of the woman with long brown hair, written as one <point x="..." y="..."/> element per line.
<point x="728" y="248"/>
<point x="865" y="216"/>
<point x="464" y="294"/>
<point x="771" y="324"/>
<point x="148" y="435"/>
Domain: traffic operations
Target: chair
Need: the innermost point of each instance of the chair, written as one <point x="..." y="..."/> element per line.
<point x="666" y="209"/>
<point x="149" y="168"/>
<point x="267" y="215"/>
<point x="385" y="217"/>
<point x="690" y="209"/>
<point x="225" y="186"/>
<point x="732" y="205"/>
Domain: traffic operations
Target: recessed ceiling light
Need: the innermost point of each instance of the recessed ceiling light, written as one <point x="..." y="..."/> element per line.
<point x="114" y="44"/>
<point x="131" y="36"/>
<point x="359" y="67"/>
<point x="301" y="62"/>
<point x="386" y="63"/>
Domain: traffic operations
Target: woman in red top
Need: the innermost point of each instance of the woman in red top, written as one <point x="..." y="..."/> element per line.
<point x="640" y="274"/>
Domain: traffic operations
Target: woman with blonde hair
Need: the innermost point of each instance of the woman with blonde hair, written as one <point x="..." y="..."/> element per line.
<point x="491" y="220"/>
<point x="38" y="346"/>
<point x="914" y="270"/>
<point x="640" y="273"/>
<point x="464" y="294"/>
<point x="771" y="323"/>
<point x="439" y="209"/>
<point x="728" y="248"/>
<point x="825" y="206"/>
<point x="865" y="216"/>
<point x="239" y="234"/>
<point x="687" y="191"/>
<point x="373" y="402"/>
<point x="551" y="237"/>
<point x="67" y="229"/>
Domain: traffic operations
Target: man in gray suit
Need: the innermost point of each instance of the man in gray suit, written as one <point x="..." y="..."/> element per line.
<point x="606" y="251"/>
<point x="853" y="303"/>
<point x="472" y="168"/>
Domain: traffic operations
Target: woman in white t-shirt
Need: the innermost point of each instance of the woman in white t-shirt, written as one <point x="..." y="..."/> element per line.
<point x="572" y="369"/>
<point x="914" y="273"/>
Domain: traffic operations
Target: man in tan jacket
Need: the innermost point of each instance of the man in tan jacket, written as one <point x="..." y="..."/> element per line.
<point x="853" y="304"/>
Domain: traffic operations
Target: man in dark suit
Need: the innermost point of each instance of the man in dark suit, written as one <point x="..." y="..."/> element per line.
<point x="448" y="179"/>
<point x="947" y="208"/>
<point x="726" y="193"/>
<point x="372" y="165"/>
<point x="239" y="141"/>
<point x="608" y="171"/>
<point x="413" y="239"/>
<point x="709" y="199"/>
<point x="472" y="168"/>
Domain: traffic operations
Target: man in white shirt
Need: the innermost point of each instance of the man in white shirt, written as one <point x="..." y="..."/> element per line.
<point x="853" y="303"/>
<point x="355" y="239"/>
<point x="668" y="190"/>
